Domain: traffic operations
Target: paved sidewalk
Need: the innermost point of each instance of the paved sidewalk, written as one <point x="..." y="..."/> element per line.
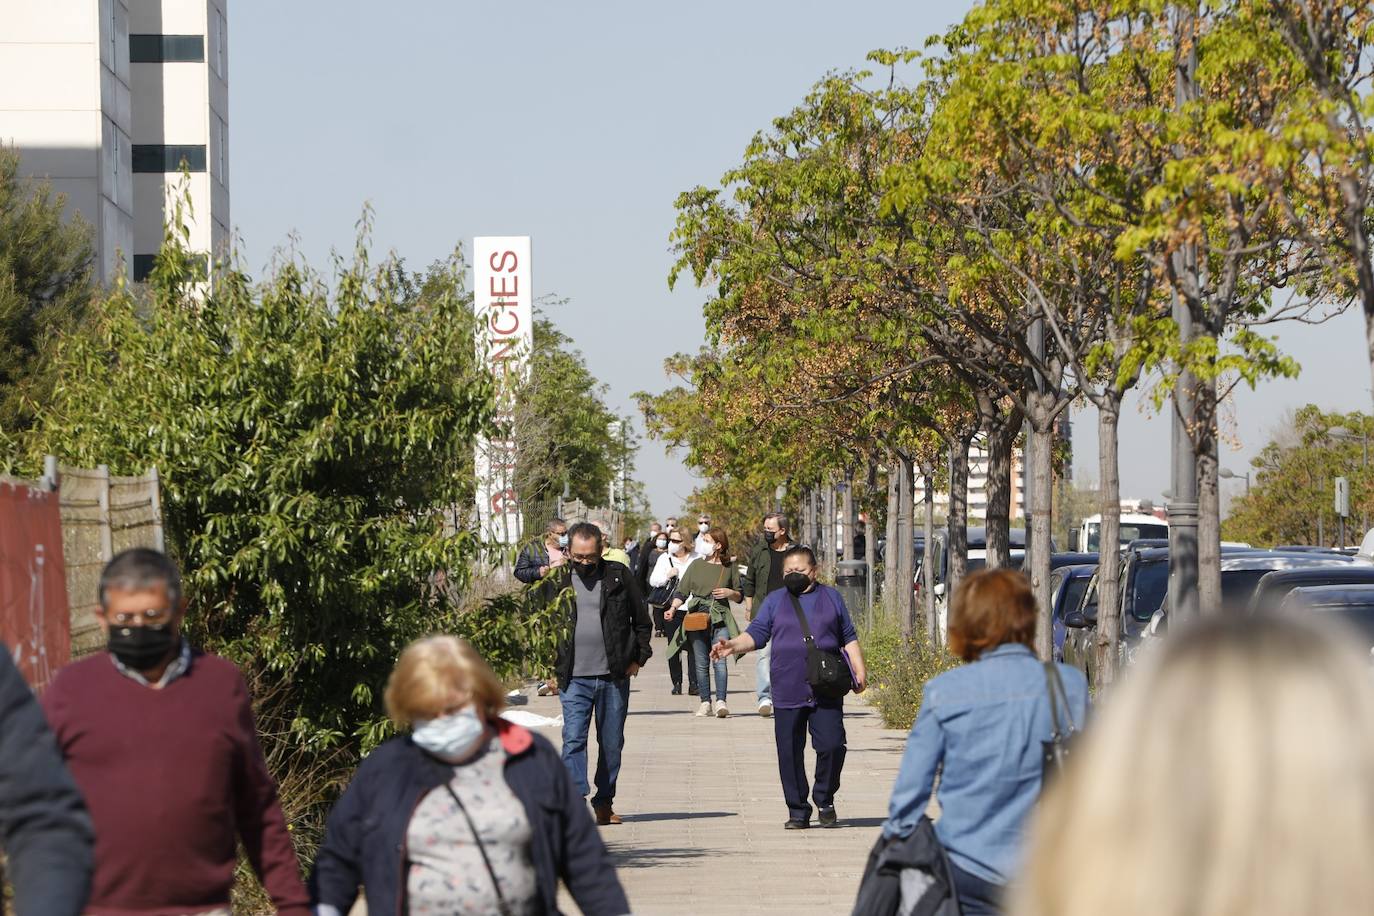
<point x="703" y="806"/>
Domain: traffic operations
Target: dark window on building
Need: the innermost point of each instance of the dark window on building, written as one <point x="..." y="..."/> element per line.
<point x="199" y="267"/>
<point x="166" y="49"/>
<point x="158" y="157"/>
<point x="143" y="266"/>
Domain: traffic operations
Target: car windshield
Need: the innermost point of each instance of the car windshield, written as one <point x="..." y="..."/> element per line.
<point x="1142" y="532"/>
<point x="1238" y="585"/>
<point x="976" y="563"/>
<point x="1151" y="581"/>
<point x="1073" y="594"/>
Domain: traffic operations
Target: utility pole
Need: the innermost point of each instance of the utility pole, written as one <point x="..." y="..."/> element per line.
<point x="1183" y="505"/>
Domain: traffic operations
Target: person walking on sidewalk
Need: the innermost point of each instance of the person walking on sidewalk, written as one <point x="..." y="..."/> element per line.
<point x="468" y="813"/>
<point x="668" y="570"/>
<point x="797" y="708"/>
<point x="604" y="645"/>
<point x="534" y="563"/>
<point x="537" y="558"/>
<point x="161" y="741"/>
<point x="45" y="832"/>
<point x="983" y="727"/>
<point x="703" y="597"/>
<point x="763" y="574"/>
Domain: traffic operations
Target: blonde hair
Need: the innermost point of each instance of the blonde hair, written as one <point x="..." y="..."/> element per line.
<point x="1232" y="775"/>
<point x="436" y="673"/>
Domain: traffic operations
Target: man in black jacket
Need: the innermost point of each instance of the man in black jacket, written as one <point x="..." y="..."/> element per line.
<point x="44" y="826"/>
<point x="604" y="645"/>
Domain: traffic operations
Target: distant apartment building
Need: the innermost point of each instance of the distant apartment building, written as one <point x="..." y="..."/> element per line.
<point x="978" y="478"/>
<point x="978" y="486"/>
<point x="108" y="100"/>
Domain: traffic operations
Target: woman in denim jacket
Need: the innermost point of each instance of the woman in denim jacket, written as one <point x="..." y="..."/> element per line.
<point x="985" y="723"/>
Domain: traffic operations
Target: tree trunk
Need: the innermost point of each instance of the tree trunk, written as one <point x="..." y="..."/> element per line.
<point x="958" y="518"/>
<point x="828" y="514"/>
<point x="928" y="566"/>
<point x="890" y="553"/>
<point x="905" y="551"/>
<point x="870" y="544"/>
<point x="1208" y="505"/>
<point x="1001" y="437"/>
<point x="847" y="519"/>
<point x="1109" y="557"/>
<point x="1041" y="517"/>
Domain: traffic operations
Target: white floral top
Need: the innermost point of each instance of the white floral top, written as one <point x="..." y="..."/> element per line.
<point x="446" y="873"/>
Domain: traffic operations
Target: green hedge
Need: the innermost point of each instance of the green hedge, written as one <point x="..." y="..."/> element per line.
<point x="898" y="669"/>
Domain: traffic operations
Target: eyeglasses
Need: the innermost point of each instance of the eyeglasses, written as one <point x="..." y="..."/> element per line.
<point x="150" y="617"/>
<point x="584" y="560"/>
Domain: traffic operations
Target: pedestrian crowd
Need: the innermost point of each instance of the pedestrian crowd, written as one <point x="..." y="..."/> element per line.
<point x="1233" y="772"/>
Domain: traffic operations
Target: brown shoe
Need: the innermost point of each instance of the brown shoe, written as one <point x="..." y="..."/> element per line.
<point x="605" y="817"/>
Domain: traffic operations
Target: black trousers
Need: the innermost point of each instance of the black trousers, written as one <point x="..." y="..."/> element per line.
<point x="670" y="627"/>
<point x="826" y="725"/>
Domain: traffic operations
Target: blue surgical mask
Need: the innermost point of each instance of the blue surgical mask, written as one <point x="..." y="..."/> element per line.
<point x="452" y="737"/>
<point x="562" y="540"/>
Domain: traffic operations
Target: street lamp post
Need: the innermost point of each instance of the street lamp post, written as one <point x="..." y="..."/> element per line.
<point x="1228" y="474"/>
<point x="1341" y="433"/>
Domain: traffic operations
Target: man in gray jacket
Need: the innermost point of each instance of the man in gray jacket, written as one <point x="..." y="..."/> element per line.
<point x="44" y="828"/>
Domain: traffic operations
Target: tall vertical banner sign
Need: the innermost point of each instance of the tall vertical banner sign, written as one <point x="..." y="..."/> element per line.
<point x="505" y="329"/>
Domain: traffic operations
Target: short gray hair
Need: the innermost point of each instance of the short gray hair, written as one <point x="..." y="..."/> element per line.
<point x="138" y="569"/>
<point x="780" y="518"/>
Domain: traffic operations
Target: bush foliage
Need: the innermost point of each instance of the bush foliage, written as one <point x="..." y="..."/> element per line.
<point x="315" y="444"/>
<point x="898" y="669"/>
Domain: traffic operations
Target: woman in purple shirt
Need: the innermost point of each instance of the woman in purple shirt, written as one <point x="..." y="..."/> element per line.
<point x="796" y="709"/>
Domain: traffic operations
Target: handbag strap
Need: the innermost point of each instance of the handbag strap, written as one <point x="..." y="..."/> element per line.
<point x="1054" y="683"/>
<point x="801" y="619"/>
<point x="501" y="903"/>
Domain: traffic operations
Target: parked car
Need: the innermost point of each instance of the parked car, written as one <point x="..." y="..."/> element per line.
<point x="1144" y="588"/>
<point x="977" y="559"/>
<point x="1274" y="586"/>
<point x="1068" y="584"/>
<point x="1351" y="604"/>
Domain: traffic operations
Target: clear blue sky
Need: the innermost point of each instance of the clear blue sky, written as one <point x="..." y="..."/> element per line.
<point x="577" y="124"/>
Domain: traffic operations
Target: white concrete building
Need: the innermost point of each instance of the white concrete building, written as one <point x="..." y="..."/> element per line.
<point x="106" y="99"/>
<point x="978" y="486"/>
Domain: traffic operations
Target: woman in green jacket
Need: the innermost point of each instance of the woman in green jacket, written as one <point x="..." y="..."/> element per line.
<point x="707" y="587"/>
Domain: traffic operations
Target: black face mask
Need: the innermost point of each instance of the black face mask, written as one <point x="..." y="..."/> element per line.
<point x="769" y="536"/>
<point x="796" y="582"/>
<point x="140" y="648"/>
<point x="588" y="571"/>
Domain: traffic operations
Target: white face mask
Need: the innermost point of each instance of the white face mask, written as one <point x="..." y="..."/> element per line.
<point x="703" y="527"/>
<point x="675" y="548"/>
<point x="706" y="548"/>
<point x="662" y="543"/>
<point x="452" y="737"/>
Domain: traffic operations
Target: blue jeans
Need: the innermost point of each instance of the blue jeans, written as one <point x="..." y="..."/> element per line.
<point x="701" y="659"/>
<point x="606" y="700"/>
<point x="764" y="690"/>
<point x="976" y="896"/>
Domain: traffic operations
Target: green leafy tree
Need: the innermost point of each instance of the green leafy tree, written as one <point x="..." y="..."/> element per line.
<point x="46" y="283"/>
<point x="1290" y="497"/>
<point x="564" y="431"/>
<point x="315" y="449"/>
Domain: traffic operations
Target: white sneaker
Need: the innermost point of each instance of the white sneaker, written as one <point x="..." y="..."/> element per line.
<point x="705" y="708"/>
<point x="545" y="690"/>
<point x="766" y="709"/>
<point x="722" y="711"/>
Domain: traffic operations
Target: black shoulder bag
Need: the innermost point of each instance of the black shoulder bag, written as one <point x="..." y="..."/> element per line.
<point x="1055" y="752"/>
<point x="501" y="903"/>
<point x="826" y="671"/>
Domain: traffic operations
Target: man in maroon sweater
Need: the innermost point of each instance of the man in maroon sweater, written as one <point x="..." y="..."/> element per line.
<point x="161" y="741"/>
